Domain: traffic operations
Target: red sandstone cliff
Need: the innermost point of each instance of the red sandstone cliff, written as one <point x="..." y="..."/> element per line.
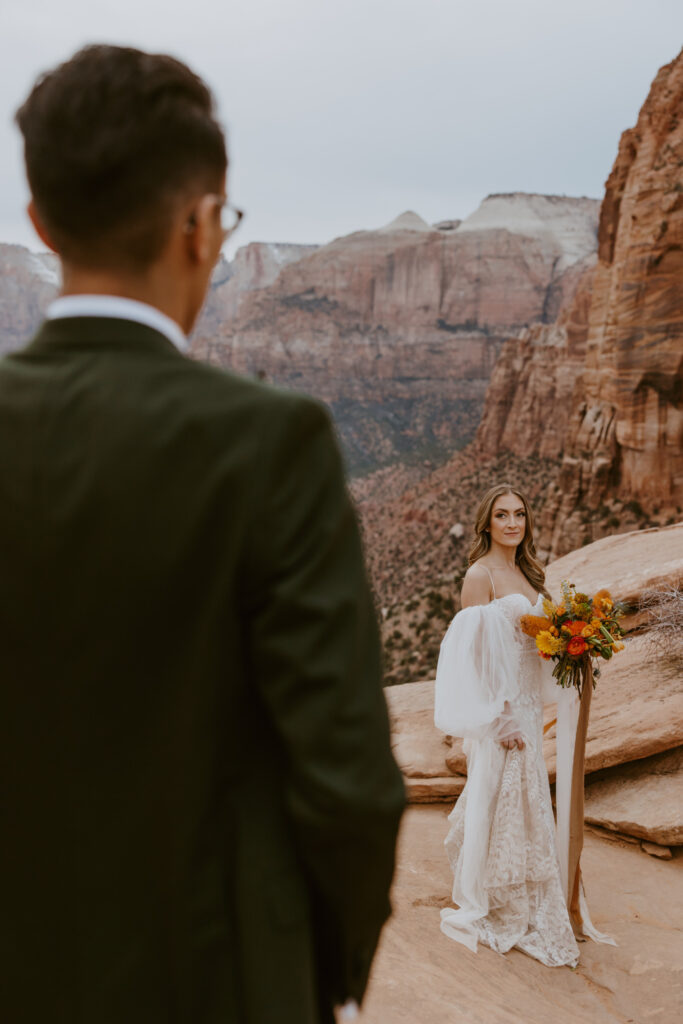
<point x="630" y="434"/>
<point x="536" y="382"/>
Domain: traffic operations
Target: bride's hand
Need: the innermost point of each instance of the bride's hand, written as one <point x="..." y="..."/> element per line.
<point x="515" y="739"/>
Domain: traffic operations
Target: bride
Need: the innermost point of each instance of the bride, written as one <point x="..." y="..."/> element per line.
<point x="489" y="690"/>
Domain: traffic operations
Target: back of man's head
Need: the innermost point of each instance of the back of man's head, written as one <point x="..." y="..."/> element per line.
<point x="114" y="140"/>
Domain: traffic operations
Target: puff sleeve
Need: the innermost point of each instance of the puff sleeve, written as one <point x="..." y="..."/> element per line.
<point x="477" y="675"/>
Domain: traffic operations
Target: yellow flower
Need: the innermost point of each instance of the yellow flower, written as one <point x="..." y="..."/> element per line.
<point x="619" y="646"/>
<point x="549" y="607"/>
<point x="588" y="630"/>
<point x="547" y="643"/>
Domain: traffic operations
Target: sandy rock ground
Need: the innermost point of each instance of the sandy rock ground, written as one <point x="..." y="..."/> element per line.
<point x="422" y="977"/>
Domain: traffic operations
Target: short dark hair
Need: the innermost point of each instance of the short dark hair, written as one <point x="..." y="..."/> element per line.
<point x="113" y="139"/>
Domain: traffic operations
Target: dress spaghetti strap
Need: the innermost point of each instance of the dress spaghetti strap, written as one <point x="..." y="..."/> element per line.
<point x="493" y="586"/>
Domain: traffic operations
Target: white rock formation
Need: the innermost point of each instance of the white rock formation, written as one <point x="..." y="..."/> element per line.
<point x="408" y="221"/>
<point x="568" y="224"/>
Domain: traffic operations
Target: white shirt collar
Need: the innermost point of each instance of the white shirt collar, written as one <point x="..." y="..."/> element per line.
<point x="120" y="309"/>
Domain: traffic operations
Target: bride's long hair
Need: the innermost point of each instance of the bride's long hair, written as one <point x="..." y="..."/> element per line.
<point x="525" y="556"/>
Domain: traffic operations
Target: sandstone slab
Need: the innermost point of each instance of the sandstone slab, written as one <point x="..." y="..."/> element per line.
<point x="643" y="799"/>
<point x="628" y="564"/>
<point x="419" y="747"/>
<point x="455" y="759"/>
<point x="422" y="977"/>
<point x="445" y="789"/>
<point x="655" y="850"/>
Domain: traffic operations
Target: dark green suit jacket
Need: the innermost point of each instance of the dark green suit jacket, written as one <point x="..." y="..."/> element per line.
<point x="197" y="796"/>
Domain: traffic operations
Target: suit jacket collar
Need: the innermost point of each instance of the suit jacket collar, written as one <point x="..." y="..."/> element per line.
<point x="95" y="333"/>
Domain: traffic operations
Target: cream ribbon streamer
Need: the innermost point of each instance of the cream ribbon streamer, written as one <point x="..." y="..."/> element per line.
<point x="572" y="726"/>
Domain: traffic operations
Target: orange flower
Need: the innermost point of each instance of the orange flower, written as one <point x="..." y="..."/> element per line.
<point x="575" y="628"/>
<point x="602" y="602"/>
<point x="533" y="624"/>
<point x="576" y="646"/>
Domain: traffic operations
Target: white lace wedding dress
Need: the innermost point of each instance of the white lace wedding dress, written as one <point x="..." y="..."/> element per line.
<point x="501" y="843"/>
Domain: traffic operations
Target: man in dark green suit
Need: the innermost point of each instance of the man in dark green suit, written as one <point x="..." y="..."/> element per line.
<point x="198" y="800"/>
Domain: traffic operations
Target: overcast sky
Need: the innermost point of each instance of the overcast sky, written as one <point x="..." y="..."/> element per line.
<point x="343" y="114"/>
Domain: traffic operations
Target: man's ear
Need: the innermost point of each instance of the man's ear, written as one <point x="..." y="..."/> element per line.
<point x="40" y="228"/>
<point x="202" y="231"/>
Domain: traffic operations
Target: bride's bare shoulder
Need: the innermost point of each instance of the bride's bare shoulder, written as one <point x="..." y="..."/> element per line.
<point x="477" y="571"/>
<point x="476" y="587"/>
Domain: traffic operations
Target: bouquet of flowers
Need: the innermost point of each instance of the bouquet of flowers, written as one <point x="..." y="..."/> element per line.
<point x="574" y="631"/>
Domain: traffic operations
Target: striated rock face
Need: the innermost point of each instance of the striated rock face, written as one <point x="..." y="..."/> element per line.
<point x="628" y="436"/>
<point x="28" y="283"/>
<point x="537" y="381"/>
<point x="398" y="329"/>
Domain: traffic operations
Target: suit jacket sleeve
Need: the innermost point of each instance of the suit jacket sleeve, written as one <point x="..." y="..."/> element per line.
<point x="314" y="648"/>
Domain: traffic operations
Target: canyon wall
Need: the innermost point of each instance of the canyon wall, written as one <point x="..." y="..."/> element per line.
<point x="537" y="382"/>
<point x="399" y="329"/>
<point x="630" y="434"/>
